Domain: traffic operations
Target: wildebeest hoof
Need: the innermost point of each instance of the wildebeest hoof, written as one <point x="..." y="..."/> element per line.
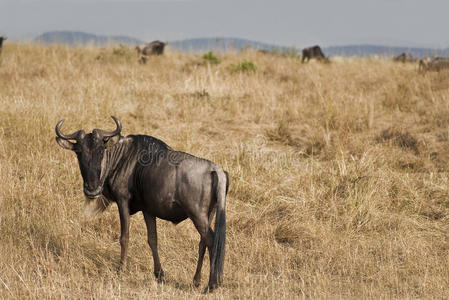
<point x="121" y="269"/>
<point x="210" y="288"/>
<point x="196" y="282"/>
<point x="159" y="276"/>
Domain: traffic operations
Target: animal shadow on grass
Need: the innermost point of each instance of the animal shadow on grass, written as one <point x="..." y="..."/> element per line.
<point x="400" y="138"/>
<point x="107" y="263"/>
<point x="166" y="280"/>
<point x="188" y="287"/>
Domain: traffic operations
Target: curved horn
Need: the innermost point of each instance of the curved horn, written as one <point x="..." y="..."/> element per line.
<point x="107" y="134"/>
<point x="72" y="136"/>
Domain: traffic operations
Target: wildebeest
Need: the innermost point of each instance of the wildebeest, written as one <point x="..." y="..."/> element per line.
<point x="313" y="52"/>
<point x="404" y="57"/>
<point x="2" y="38"/>
<point x="142" y="173"/>
<point x="433" y="64"/>
<point x="153" y="48"/>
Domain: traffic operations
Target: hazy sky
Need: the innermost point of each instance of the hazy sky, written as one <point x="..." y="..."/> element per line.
<point x="285" y="22"/>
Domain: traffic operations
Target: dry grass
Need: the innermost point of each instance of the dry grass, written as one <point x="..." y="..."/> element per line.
<point x="339" y="174"/>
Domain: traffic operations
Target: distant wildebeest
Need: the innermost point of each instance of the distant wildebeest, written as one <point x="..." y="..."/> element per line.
<point x="2" y="38"/>
<point x="142" y="173"/>
<point x="153" y="48"/>
<point x="263" y="51"/>
<point x="404" y="57"/>
<point x="433" y="64"/>
<point x="313" y="52"/>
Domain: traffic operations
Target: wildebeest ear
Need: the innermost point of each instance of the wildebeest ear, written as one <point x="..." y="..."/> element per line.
<point x="109" y="142"/>
<point x="65" y="144"/>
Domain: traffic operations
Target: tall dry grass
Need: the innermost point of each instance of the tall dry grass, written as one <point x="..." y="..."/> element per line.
<point x="339" y="174"/>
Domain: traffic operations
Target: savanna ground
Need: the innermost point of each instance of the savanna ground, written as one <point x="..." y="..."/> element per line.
<point x="339" y="174"/>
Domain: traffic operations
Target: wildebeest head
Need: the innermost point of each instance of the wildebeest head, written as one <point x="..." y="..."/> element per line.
<point x="90" y="149"/>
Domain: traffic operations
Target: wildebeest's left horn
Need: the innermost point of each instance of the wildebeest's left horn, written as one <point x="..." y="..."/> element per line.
<point x="72" y="136"/>
<point x="117" y="131"/>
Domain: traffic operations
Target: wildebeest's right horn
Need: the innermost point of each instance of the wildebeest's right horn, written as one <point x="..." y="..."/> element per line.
<point x="117" y="131"/>
<point x="72" y="136"/>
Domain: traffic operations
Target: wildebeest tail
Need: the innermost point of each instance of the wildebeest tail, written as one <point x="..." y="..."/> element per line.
<point x="220" y="184"/>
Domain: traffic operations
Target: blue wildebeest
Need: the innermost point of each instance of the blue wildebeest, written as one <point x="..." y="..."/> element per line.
<point x="433" y="64"/>
<point x="153" y="48"/>
<point x="2" y="38"/>
<point x="142" y="173"/>
<point x="313" y="52"/>
<point x="404" y="57"/>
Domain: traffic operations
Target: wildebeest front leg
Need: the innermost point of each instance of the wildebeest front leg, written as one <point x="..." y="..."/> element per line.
<point x="150" y="221"/>
<point x="124" y="233"/>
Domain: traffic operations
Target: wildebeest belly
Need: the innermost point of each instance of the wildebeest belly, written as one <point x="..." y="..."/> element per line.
<point x="158" y="194"/>
<point x="173" y="214"/>
<point x="164" y="209"/>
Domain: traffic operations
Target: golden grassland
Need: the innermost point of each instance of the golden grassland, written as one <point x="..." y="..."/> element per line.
<point x="339" y="174"/>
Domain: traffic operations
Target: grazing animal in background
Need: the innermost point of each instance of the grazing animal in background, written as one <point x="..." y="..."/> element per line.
<point x="153" y="48"/>
<point x="433" y="64"/>
<point x="313" y="52"/>
<point x="404" y="57"/>
<point x="2" y="38"/>
<point x="263" y="51"/>
<point x="142" y="173"/>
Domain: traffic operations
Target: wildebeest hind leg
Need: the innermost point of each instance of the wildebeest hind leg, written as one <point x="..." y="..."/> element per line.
<point x="207" y="239"/>
<point x="150" y="221"/>
<point x="201" y="252"/>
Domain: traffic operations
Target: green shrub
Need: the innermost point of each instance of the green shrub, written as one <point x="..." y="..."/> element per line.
<point x="244" y="66"/>
<point x="211" y="58"/>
